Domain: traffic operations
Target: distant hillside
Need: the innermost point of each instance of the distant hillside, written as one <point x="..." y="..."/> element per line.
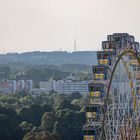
<point x="50" y="58"/>
<point x="74" y="68"/>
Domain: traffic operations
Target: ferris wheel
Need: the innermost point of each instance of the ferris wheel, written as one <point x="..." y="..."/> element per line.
<point x="113" y="111"/>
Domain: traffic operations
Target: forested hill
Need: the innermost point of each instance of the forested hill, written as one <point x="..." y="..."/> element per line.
<point x="53" y="58"/>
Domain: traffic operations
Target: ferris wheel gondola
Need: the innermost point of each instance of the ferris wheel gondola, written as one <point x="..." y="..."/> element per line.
<point x="115" y="90"/>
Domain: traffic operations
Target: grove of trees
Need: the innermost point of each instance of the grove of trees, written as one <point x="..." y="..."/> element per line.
<point x="46" y="117"/>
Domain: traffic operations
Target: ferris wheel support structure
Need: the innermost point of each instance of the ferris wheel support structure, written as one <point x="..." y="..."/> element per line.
<point x="114" y="106"/>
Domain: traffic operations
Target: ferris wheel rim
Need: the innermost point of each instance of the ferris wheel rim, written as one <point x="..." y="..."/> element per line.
<point x="119" y="57"/>
<point x="114" y="68"/>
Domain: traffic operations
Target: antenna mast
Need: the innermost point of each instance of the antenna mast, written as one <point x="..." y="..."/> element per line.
<point x="75" y="45"/>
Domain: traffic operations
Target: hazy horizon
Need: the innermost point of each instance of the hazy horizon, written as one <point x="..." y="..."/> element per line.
<point x="51" y="25"/>
<point x="14" y="52"/>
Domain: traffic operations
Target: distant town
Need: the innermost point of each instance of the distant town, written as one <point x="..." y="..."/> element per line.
<point x="65" y="86"/>
<point x="36" y="73"/>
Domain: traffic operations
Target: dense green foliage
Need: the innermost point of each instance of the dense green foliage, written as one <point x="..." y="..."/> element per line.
<point x="5" y="72"/>
<point x="46" y="117"/>
<point x="43" y="73"/>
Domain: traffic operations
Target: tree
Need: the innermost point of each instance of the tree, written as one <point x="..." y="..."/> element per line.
<point x="36" y="111"/>
<point x="26" y="126"/>
<point x="33" y="114"/>
<point x="48" y="121"/>
<point x="47" y="108"/>
<point x="76" y="95"/>
<point x="5" y="72"/>
<point x="43" y="74"/>
<point x="42" y="117"/>
<point x="69" y="126"/>
<point x="9" y="112"/>
<point x="42" y="135"/>
<point x="64" y="105"/>
<point x="27" y="100"/>
<point x="9" y="129"/>
<point x="77" y="103"/>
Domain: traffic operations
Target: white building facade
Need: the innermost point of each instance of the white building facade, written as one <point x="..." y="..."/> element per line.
<point x="64" y="86"/>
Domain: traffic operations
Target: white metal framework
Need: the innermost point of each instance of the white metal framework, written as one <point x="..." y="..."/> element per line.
<point x="120" y="105"/>
<point x="122" y="109"/>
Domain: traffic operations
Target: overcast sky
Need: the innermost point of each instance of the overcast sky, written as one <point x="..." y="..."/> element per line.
<point x="48" y="25"/>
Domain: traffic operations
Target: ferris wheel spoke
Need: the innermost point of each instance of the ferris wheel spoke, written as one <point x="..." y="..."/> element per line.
<point x="113" y="111"/>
